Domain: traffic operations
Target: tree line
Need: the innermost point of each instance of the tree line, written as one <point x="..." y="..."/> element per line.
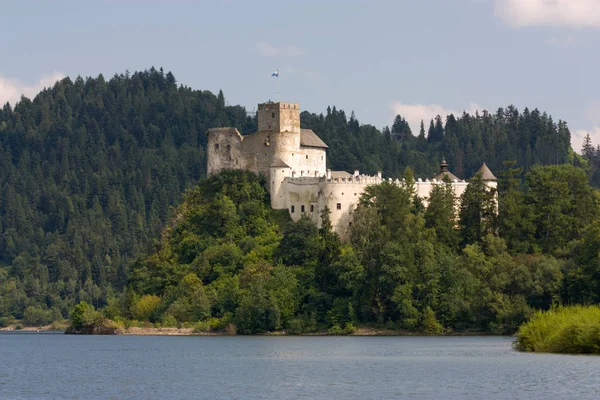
<point x="455" y="265"/>
<point x="92" y="168"/>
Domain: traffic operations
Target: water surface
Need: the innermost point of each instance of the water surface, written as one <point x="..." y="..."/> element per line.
<point x="56" y="366"/>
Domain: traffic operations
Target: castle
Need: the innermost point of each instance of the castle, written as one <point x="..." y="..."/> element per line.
<point x="293" y="160"/>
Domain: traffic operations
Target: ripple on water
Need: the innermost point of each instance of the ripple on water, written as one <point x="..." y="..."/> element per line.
<point x="100" y="367"/>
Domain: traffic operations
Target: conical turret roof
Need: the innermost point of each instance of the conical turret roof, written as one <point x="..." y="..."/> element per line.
<point x="486" y="173"/>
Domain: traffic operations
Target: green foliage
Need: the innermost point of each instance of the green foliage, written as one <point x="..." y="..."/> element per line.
<point x="477" y="211"/>
<point x="84" y="315"/>
<point x="573" y="330"/>
<point x="429" y="323"/>
<point x="563" y="204"/>
<point x="300" y="243"/>
<point x="35" y="316"/>
<point x="529" y="137"/>
<point x="145" y="307"/>
<point x="91" y="171"/>
<point x="441" y="213"/>
<point x="347" y="329"/>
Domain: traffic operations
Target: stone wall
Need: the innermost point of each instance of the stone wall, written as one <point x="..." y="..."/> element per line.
<point x="224" y="150"/>
<point x="279" y="117"/>
<point x="297" y="175"/>
<point x="302" y="198"/>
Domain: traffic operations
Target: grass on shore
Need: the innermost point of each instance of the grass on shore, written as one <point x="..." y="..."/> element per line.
<point x="569" y="330"/>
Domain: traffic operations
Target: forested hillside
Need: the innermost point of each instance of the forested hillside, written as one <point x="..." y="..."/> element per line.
<point x="91" y="168"/>
<point x="222" y="264"/>
<point x="529" y="138"/>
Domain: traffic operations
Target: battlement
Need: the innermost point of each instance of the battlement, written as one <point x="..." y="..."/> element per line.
<point x="293" y="161"/>
<point x="279" y="117"/>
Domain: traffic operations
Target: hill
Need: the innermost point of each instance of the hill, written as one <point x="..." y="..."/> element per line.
<point x="92" y="168"/>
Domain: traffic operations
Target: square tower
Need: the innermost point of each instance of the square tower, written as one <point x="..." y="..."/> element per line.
<point x="279" y="117"/>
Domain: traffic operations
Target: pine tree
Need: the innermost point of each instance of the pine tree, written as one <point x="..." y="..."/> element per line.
<point x="477" y="211"/>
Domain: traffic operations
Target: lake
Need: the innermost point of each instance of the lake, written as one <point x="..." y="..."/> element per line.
<point x="57" y="366"/>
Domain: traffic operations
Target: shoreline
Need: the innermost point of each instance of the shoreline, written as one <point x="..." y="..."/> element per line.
<point x="139" y="331"/>
<point x="13" y="328"/>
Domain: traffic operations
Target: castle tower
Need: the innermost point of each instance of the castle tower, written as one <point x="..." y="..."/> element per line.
<point x="279" y="117"/>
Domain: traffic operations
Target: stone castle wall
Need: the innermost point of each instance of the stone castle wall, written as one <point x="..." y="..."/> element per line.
<point x="279" y="117"/>
<point x="224" y="150"/>
<point x="297" y="176"/>
<point x="275" y="151"/>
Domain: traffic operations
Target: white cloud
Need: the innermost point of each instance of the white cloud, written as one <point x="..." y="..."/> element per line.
<point x="578" y="136"/>
<point x="592" y="113"/>
<point x="569" y="13"/>
<point x="268" y="50"/>
<point x="414" y="113"/>
<point x="12" y="89"/>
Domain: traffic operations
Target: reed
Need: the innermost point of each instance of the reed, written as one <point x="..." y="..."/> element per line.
<point x="570" y="329"/>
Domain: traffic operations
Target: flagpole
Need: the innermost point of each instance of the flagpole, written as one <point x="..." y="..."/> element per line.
<point x="278" y="85"/>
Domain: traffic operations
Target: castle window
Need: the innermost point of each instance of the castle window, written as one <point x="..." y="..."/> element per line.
<point x="272" y="115"/>
<point x="228" y="147"/>
<point x="342" y="193"/>
<point x="307" y="156"/>
<point x="293" y="209"/>
<point x="216" y="146"/>
<point x="302" y="208"/>
<point x="350" y="223"/>
<point x="321" y="157"/>
<point x="339" y="206"/>
<point x="312" y="208"/>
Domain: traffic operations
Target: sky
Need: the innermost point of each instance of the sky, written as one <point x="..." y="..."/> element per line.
<point x="416" y="58"/>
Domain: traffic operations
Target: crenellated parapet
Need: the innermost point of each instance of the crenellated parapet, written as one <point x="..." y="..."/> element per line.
<point x="293" y="160"/>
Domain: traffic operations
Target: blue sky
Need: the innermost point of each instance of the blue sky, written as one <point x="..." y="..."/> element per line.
<point x="378" y="58"/>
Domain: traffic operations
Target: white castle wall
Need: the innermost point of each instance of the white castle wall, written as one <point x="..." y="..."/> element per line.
<point x="267" y="152"/>
<point x="341" y="196"/>
<point x="297" y="175"/>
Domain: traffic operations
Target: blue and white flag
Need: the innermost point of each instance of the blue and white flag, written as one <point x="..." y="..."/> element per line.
<point x="276" y="73"/>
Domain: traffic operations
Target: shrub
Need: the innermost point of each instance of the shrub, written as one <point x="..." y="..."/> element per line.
<point x="59" y="325"/>
<point x="202" y="326"/>
<point x="36" y="316"/>
<point x="573" y="330"/>
<point x="338" y="330"/>
<point x="83" y="315"/>
<point x="430" y="324"/>
<point x="6" y="321"/>
<point x="145" y="308"/>
<point x="254" y="317"/>
<point x="304" y="323"/>
<point x="169" y="321"/>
